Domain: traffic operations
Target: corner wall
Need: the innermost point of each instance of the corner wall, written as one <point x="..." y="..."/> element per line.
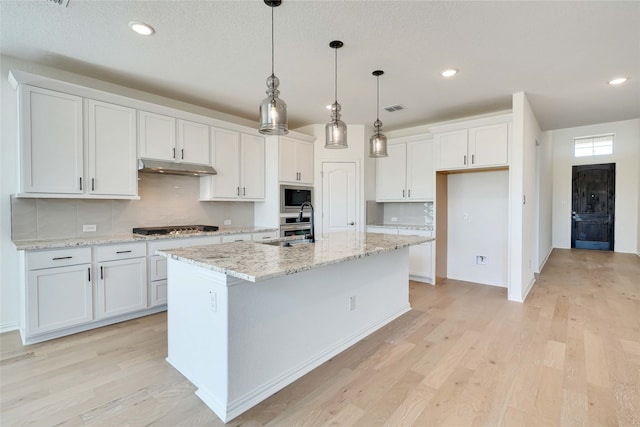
<point x="626" y="154"/>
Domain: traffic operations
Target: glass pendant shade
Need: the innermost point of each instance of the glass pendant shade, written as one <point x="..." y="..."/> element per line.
<point x="378" y="141"/>
<point x="273" y="110"/>
<point x="336" y="129"/>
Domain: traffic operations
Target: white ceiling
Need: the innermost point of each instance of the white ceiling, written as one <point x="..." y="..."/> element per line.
<point x="216" y="54"/>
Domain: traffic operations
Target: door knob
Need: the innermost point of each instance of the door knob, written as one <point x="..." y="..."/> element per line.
<point x="352" y="223"/>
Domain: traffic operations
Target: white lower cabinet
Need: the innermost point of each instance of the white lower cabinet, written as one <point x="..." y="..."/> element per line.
<point x="122" y="279"/>
<point x="420" y="256"/>
<point x="58" y="290"/>
<point x="263" y="235"/>
<point x="158" y="264"/>
<point x="236" y="238"/>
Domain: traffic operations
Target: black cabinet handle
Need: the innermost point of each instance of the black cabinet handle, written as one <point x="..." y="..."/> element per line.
<point x="244" y="191"/>
<point x="123" y="252"/>
<point x="61" y="257"/>
<point x="80" y="183"/>
<point x="465" y="160"/>
<point x="182" y="153"/>
<point x="473" y="159"/>
<point x="93" y="184"/>
<point x="89" y="272"/>
<point x="101" y="273"/>
<point x="174" y="153"/>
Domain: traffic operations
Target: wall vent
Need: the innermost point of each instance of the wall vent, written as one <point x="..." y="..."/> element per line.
<point x="392" y="108"/>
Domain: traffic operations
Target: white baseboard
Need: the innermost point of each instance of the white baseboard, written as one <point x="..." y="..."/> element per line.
<point x="544" y="261"/>
<point x="8" y="327"/>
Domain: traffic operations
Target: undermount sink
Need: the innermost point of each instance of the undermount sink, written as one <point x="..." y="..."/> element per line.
<point x="288" y="243"/>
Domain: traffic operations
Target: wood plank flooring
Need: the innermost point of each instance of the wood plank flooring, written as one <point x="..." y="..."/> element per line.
<point x="464" y="356"/>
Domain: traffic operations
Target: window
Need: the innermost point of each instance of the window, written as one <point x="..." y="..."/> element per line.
<point x="593" y="145"/>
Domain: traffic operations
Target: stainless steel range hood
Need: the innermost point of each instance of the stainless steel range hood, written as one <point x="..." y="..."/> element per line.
<point x="171" y="168"/>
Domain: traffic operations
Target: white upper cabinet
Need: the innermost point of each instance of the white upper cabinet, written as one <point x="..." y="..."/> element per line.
<point x="52" y="148"/>
<point x="112" y="149"/>
<point x="66" y="153"/>
<point x="167" y="138"/>
<point x="157" y="136"/>
<point x="407" y="174"/>
<point x="193" y="142"/>
<point x="239" y="160"/>
<point x="473" y="147"/>
<point x="296" y="161"/>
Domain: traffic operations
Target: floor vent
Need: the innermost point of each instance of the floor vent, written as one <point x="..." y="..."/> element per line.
<point x="396" y="107"/>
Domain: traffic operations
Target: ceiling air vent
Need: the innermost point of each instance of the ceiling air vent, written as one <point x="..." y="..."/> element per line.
<point x="64" y="3"/>
<point x="396" y="107"/>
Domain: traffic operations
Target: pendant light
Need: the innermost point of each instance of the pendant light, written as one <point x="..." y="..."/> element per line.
<point x="378" y="141"/>
<point x="273" y="110"/>
<point x="336" y="129"/>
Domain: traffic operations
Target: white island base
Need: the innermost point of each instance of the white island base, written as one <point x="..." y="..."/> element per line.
<point x="239" y="342"/>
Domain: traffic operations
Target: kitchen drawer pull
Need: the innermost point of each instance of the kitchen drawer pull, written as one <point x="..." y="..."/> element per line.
<point x="182" y="153"/>
<point x="465" y="160"/>
<point x="101" y="273"/>
<point x="403" y="194"/>
<point x="244" y="191"/>
<point x="89" y="273"/>
<point x="123" y="252"/>
<point x="93" y="184"/>
<point x="61" y="257"/>
<point x="238" y="191"/>
<point x="473" y="159"/>
<point x="174" y="153"/>
<point x="239" y="240"/>
<point x="409" y="194"/>
<point x="80" y="183"/>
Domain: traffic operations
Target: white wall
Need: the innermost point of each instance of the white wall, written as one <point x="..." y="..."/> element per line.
<point x="357" y="140"/>
<point x="478" y="225"/>
<point x="625" y="155"/>
<point x="544" y="173"/>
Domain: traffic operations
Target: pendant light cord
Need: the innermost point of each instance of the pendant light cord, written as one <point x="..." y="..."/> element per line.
<point x="377" y="98"/>
<point x="336" y="97"/>
<point x="272" y="49"/>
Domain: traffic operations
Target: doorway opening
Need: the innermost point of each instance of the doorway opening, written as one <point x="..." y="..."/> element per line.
<point x="593" y="206"/>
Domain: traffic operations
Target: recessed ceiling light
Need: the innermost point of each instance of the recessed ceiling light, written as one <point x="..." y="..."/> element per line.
<point x="141" y="28"/>
<point x="449" y="72"/>
<point x="618" y="81"/>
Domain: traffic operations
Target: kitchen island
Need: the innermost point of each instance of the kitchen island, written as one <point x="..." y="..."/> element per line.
<point x="246" y="319"/>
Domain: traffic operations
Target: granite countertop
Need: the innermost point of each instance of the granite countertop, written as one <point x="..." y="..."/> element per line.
<point x="127" y="238"/>
<point x="427" y="227"/>
<point x="254" y="261"/>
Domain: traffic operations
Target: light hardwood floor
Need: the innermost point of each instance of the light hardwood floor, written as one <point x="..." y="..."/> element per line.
<point x="464" y="356"/>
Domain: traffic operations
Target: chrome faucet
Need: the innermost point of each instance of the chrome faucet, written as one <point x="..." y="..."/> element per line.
<point x="312" y="235"/>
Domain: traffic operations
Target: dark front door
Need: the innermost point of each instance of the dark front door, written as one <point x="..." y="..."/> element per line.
<point x="593" y="203"/>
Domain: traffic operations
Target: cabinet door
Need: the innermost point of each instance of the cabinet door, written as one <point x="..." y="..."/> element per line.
<point x="193" y="141"/>
<point x="489" y="145"/>
<point x="122" y="287"/>
<point x="304" y="160"/>
<point x="391" y="174"/>
<point x="420" y="173"/>
<point x="451" y="150"/>
<point x="225" y="155"/>
<point x="158" y="294"/>
<point x="287" y="159"/>
<point x="51" y="141"/>
<point x="252" y="167"/>
<point x="112" y="149"/>
<point x="420" y="265"/>
<point x="58" y="298"/>
<point x="157" y="136"/>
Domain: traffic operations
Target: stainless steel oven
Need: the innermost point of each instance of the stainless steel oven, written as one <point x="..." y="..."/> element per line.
<point x="289" y="226"/>
<point x="293" y="196"/>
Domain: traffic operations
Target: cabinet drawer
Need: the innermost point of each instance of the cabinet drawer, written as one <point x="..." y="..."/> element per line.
<point x="264" y="235"/>
<point x="380" y="230"/>
<point x="121" y="251"/>
<point x="58" y="258"/>
<point x="236" y="238"/>
<point x="182" y="243"/>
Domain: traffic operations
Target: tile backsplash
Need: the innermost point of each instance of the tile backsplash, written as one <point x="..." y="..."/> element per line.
<point x="413" y="213"/>
<point x="164" y="200"/>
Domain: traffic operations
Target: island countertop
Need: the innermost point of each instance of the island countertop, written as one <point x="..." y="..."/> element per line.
<point x="257" y="261"/>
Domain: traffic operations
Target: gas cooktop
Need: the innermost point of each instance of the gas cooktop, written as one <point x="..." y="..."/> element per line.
<point x="174" y="229"/>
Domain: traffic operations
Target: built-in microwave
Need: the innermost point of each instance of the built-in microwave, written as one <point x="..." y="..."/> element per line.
<point x="292" y="197"/>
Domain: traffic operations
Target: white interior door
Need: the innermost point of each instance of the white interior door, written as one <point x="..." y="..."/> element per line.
<point x="339" y="197"/>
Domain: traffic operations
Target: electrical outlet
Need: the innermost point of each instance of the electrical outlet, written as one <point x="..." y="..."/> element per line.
<point x="89" y="227"/>
<point x="352" y="303"/>
<point x="465" y="216"/>
<point x="482" y="260"/>
<point x="394" y="219"/>
<point x="227" y="222"/>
